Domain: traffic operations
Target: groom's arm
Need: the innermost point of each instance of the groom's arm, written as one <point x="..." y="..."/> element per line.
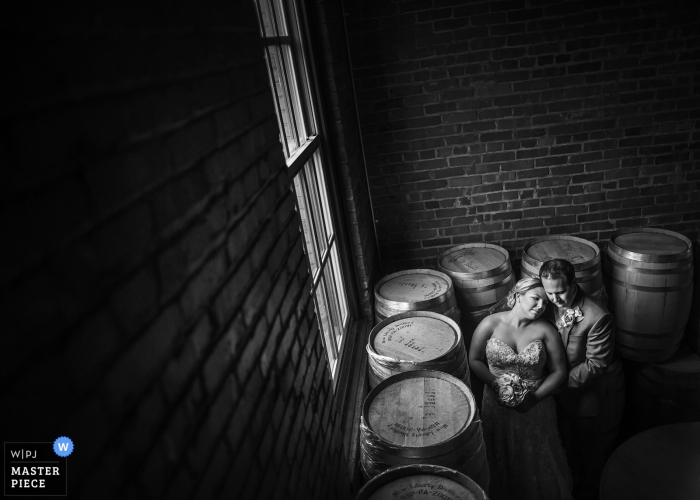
<point x="599" y="352"/>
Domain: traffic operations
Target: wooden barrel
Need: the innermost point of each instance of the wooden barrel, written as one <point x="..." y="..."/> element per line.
<point x="650" y="272"/>
<point x="482" y="275"/>
<point x="421" y="482"/>
<point x="422" y="417"/>
<point x="415" y="290"/>
<point x="583" y="254"/>
<point x="418" y="340"/>
<point x="668" y="392"/>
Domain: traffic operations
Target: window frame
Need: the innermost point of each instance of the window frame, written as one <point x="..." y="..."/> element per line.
<point x="299" y="38"/>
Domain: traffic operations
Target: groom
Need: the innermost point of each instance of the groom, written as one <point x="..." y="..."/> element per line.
<point x="588" y="332"/>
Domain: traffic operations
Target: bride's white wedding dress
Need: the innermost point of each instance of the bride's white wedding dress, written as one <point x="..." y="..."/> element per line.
<point x="525" y="454"/>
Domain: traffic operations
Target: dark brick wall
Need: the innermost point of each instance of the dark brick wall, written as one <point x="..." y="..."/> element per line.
<point x="155" y="298"/>
<point x="501" y="121"/>
<point x="345" y="142"/>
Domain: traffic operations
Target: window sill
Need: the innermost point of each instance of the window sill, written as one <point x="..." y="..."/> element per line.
<point x="355" y="386"/>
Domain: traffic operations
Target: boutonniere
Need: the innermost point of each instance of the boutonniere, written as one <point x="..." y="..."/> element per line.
<point x="571" y="315"/>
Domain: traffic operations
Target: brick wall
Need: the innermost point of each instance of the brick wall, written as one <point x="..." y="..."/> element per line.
<point x="502" y="121"/>
<point x="155" y="297"/>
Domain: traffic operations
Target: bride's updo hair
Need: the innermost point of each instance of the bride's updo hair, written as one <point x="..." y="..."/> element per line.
<point x="521" y="287"/>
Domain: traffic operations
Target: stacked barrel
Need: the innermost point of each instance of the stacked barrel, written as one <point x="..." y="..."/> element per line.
<point x="417" y="327"/>
<point x="422" y="417"/>
<point x="651" y="286"/>
<point x="650" y="274"/>
<point x="414" y="290"/>
<point x="420" y="423"/>
<point x="416" y="341"/>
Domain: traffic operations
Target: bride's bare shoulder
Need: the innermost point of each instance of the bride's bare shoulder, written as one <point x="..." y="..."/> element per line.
<point x="544" y="325"/>
<point x="494" y="319"/>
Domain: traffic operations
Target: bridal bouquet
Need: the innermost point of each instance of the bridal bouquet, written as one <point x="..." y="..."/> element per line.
<point x="510" y="389"/>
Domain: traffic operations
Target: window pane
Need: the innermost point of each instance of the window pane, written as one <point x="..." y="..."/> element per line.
<point x="294" y="104"/>
<point x="324" y="316"/>
<point x="272" y="17"/>
<point x="288" y="104"/>
<point x="305" y="86"/>
<point x="306" y="224"/>
<point x="321" y="181"/>
<point x="335" y="315"/>
<point x="318" y="216"/>
<point x="339" y="284"/>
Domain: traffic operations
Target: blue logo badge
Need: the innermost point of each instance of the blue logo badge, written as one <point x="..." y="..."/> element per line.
<point x="63" y="446"/>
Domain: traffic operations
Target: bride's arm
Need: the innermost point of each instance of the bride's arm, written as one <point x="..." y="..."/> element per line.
<point x="477" y="350"/>
<point x="556" y="361"/>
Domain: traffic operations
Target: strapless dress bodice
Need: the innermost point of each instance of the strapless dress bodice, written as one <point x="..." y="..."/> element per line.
<point x="528" y="364"/>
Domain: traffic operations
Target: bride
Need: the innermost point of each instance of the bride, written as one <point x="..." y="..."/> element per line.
<point x="521" y="358"/>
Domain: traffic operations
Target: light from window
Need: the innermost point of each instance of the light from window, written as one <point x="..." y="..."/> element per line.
<point x="296" y="115"/>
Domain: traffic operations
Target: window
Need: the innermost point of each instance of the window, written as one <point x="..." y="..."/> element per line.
<point x="302" y="143"/>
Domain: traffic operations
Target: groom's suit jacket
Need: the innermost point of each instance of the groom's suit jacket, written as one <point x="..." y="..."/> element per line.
<point x="589" y="343"/>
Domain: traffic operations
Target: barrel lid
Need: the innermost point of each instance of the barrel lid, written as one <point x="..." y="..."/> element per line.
<point x="423" y="487"/>
<point x="413" y="286"/>
<point x="419" y="337"/>
<point x="419" y="409"/>
<point x="650" y="245"/>
<point x="473" y="258"/>
<point x="575" y="250"/>
<point x="421" y="481"/>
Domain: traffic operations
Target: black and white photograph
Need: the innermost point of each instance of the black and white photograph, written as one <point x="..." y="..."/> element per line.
<point x="350" y="250"/>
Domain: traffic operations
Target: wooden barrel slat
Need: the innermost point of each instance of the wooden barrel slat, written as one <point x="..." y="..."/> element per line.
<point x="650" y="275"/>
<point x="426" y="417"/>
<point x="417" y="340"/>
<point x="583" y="254"/>
<point x="421" y="482"/>
<point x="481" y="274"/>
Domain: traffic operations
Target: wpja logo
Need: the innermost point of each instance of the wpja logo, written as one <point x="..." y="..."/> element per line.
<point x="37" y="468"/>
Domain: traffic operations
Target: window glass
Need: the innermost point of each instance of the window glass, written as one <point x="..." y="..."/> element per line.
<point x="272" y="18"/>
<point x="296" y="114"/>
<point x="289" y="113"/>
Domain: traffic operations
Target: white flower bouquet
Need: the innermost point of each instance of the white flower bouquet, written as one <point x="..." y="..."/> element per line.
<point x="510" y="389"/>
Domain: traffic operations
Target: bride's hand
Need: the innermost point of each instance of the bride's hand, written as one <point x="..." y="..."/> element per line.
<point x="527" y="403"/>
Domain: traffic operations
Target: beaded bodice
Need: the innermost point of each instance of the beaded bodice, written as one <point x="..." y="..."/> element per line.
<point x="528" y="364"/>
